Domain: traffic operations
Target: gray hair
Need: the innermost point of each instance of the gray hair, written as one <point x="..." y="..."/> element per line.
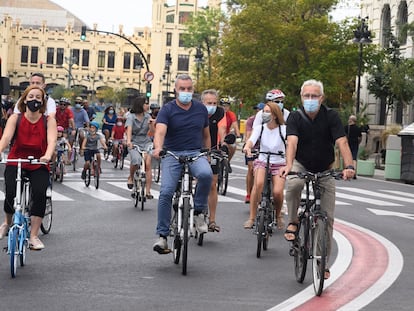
<point x="209" y="91"/>
<point x="182" y="76"/>
<point x="312" y="82"/>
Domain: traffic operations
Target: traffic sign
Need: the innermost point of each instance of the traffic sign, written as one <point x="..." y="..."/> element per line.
<point x="148" y="76"/>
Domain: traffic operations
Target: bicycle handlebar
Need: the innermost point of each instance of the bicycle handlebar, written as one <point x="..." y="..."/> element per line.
<point x="313" y="176"/>
<point x="29" y="159"/>
<point x="182" y="158"/>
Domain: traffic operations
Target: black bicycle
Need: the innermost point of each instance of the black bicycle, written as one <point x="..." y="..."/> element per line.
<point x="182" y="225"/>
<point x="265" y="216"/>
<point x="224" y="164"/>
<point x="312" y="231"/>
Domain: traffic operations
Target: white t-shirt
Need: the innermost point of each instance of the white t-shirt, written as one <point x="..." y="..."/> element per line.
<point x="270" y="142"/>
<point x="258" y="119"/>
<point x="51" y="106"/>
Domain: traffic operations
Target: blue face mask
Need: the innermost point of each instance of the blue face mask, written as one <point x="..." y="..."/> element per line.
<point x="311" y="105"/>
<point x="185" y="97"/>
<point x="280" y="105"/>
<point x="78" y="106"/>
<point x="211" y="109"/>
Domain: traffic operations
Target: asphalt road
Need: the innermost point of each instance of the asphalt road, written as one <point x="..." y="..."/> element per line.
<point x="99" y="256"/>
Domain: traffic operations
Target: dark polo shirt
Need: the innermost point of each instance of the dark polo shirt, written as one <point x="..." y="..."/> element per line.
<point x="316" y="138"/>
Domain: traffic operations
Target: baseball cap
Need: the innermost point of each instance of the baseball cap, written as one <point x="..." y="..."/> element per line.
<point x="259" y="106"/>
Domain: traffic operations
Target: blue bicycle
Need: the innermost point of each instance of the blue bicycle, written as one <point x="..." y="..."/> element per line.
<point x="19" y="232"/>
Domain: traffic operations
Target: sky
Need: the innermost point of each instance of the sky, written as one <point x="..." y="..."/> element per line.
<point x="110" y="14"/>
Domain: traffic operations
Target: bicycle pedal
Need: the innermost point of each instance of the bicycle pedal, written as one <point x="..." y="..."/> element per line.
<point x="292" y="251"/>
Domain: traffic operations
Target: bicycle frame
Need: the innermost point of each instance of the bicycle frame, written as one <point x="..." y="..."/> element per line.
<point x="140" y="178"/>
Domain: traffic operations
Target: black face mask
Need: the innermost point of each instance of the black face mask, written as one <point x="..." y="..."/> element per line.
<point x="155" y="113"/>
<point x="34" y="105"/>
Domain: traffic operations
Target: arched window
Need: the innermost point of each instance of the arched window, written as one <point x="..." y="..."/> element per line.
<point x="385" y="26"/>
<point x="402" y="19"/>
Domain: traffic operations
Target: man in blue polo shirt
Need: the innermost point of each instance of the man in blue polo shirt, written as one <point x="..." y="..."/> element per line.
<point x="183" y="128"/>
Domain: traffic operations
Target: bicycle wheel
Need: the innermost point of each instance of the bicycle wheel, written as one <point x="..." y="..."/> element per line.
<point x="53" y="169"/>
<point x="121" y="161"/>
<point x="319" y="252"/>
<point x="143" y="199"/>
<point x="47" y="219"/>
<point x="136" y="191"/>
<point x="97" y="171"/>
<point x="23" y="246"/>
<point x="13" y="248"/>
<point x="185" y="220"/>
<point x="74" y="158"/>
<point x="156" y="171"/>
<point x="88" y="177"/>
<point x="61" y="171"/>
<point x="261" y="231"/>
<point x="224" y="168"/>
<point x="301" y="249"/>
<point x="176" y="243"/>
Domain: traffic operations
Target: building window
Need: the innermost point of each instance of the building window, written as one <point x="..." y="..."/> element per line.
<point x="25" y="54"/>
<point x="138" y="63"/>
<point x="127" y="60"/>
<point x="183" y="62"/>
<point x="85" y="58"/>
<point x="59" y="56"/>
<point x="101" y="59"/>
<point x="168" y="39"/>
<point x="402" y="20"/>
<point x="170" y="18"/>
<point x="184" y="17"/>
<point x="50" y="56"/>
<point x="34" y="55"/>
<point x="75" y="56"/>
<point x="111" y="59"/>
<point x="181" y="40"/>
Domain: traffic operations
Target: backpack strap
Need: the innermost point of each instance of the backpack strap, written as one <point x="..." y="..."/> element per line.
<point x="282" y="137"/>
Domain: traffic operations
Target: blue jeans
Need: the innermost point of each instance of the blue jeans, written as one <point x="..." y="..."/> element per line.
<point x="170" y="175"/>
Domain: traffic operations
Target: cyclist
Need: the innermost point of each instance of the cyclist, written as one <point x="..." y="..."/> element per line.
<point x="90" y="146"/>
<point x="108" y="121"/>
<point x="31" y="138"/>
<point x="278" y="97"/>
<point x="182" y="127"/>
<point x="271" y="137"/>
<point x="312" y="132"/>
<point x="232" y="127"/>
<point x="155" y="108"/>
<point x="81" y="120"/>
<point x="62" y="144"/>
<point x="64" y="116"/>
<point x="118" y="136"/>
<point x="137" y="126"/>
<point x="249" y="161"/>
<point x="217" y="125"/>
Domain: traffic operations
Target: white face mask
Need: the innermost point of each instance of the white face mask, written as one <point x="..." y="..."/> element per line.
<point x="266" y="117"/>
<point x="119" y="123"/>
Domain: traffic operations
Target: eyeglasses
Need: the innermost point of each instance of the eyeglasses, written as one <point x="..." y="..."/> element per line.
<point x="211" y="103"/>
<point x="278" y="101"/>
<point x="311" y="96"/>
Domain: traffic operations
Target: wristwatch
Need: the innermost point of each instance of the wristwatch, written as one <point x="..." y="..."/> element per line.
<point x="350" y="167"/>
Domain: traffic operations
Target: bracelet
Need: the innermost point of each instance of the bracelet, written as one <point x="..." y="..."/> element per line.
<point x="350" y="167"/>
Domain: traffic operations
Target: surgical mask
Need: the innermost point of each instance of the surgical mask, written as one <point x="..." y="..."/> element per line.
<point x="34" y="105"/>
<point x="111" y="111"/>
<point x="266" y="117"/>
<point x="211" y="109"/>
<point x="119" y="123"/>
<point x="280" y="106"/>
<point x="311" y="105"/>
<point x="78" y="106"/>
<point x="185" y="97"/>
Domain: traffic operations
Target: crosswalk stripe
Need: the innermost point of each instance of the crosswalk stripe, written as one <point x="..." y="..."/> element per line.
<point x="399" y="193"/>
<point x="377" y="194"/>
<point x="55" y="196"/>
<point x="365" y="200"/>
<point x="96" y="193"/>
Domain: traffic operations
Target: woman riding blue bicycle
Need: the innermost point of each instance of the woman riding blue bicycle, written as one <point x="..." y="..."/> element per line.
<point x="32" y="135"/>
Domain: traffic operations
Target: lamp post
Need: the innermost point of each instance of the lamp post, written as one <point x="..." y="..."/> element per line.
<point x="198" y="60"/>
<point x="168" y="63"/>
<point x="70" y="62"/>
<point x="361" y="36"/>
<point x="92" y="79"/>
<point x="139" y="66"/>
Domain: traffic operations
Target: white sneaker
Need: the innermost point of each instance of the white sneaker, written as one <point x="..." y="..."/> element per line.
<point x="4" y="229"/>
<point x="161" y="246"/>
<point x="200" y="223"/>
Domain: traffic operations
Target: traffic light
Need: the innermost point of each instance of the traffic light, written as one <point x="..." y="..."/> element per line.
<point x="148" y="90"/>
<point x="83" y="33"/>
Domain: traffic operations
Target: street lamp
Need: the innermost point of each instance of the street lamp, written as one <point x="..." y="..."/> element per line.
<point x="70" y="63"/>
<point x="139" y="66"/>
<point x="168" y="63"/>
<point x="92" y="80"/>
<point x="199" y="61"/>
<point x="361" y="36"/>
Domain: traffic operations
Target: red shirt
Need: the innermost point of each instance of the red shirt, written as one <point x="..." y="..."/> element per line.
<point x="230" y="118"/>
<point x="118" y="131"/>
<point x="63" y="116"/>
<point x="30" y="140"/>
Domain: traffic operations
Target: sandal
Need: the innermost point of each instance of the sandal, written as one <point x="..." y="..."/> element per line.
<point x="130" y="184"/>
<point x="212" y="227"/>
<point x="289" y="232"/>
<point x="149" y="196"/>
<point x="248" y="224"/>
<point x="280" y="223"/>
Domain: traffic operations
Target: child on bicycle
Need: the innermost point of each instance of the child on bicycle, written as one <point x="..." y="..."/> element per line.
<point x="271" y="135"/>
<point x="118" y="137"/>
<point x="63" y="147"/>
<point x="90" y="146"/>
